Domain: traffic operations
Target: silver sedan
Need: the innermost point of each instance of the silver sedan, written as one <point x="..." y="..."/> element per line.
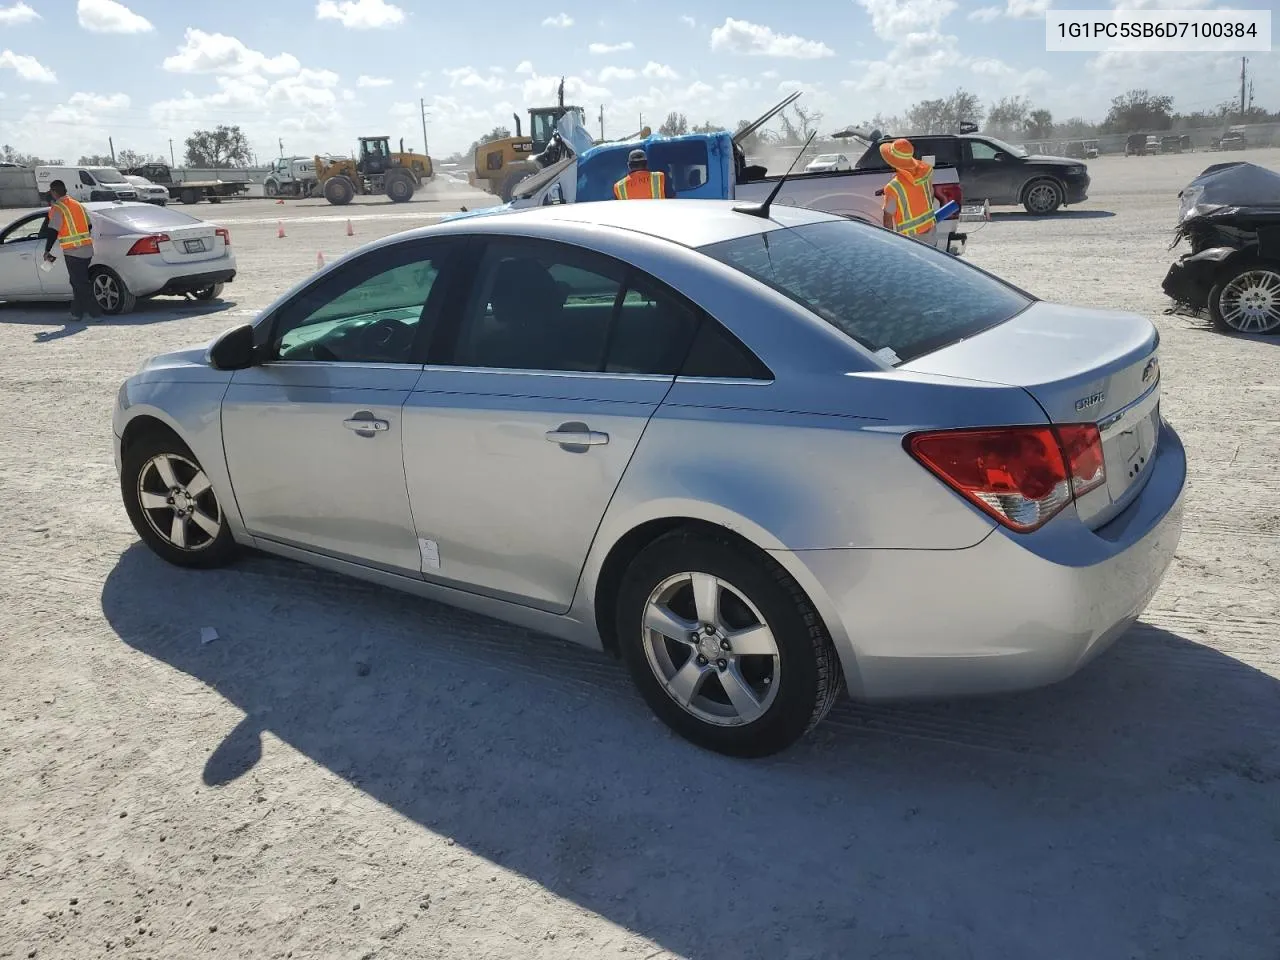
<point x="139" y="250"/>
<point x="763" y="459"/>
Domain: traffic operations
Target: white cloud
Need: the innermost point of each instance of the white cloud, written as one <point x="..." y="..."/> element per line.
<point x="524" y="67"/>
<point x="1163" y="4"/>
<point x="18" y="13"/>
<point x="217" y="53"/>
<point x="360" y="14"/>
<point x="688" y="20"/>
<point x="369" y="82"/>
<point x="107" y="16"/>
<point x="753" y="39"/>
<point x="27" y="68"/>
<point x="468" y="77"/>
<point x="542" y="90"/>
<point x="561" y="20"/>
<point x="986" y="14"/>
<point x="1027" y="9"/>
<point x="616" y="73"/>
<point x="896" y="19"/>
<point x="603" y="48"/>
<point x="770" y="74"/>
<point x="659" y="71"/>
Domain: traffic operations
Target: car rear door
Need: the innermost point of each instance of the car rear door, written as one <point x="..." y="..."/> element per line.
<point x="313" y="435"/>
<point x="528" y="413"/>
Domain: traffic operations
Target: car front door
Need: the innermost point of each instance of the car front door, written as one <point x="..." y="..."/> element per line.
<point x="21" y="249"/>
<point x="528" y="412"/>
<point x="990" y="173"/>
<point x="313" y="433"/>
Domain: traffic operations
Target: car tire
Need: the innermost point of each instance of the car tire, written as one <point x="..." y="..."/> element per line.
<point x="270" y="189"/>
<point x="1043" y="197"/>
<point x="780" y="691"/>
<point x="1252" y="299"/>
<point x="211" y="292"/>
<point x="112" y="293"/>
<point x="158" y="469"/>
<point x="339" y="191"/>
<point x="190" y="196"/>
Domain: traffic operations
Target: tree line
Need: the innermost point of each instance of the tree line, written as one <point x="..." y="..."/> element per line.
<point x="220" y="148"/>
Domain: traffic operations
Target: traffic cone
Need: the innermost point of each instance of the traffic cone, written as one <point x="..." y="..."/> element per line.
<point x="279" y="229"/>
<point x="319" y="259"/>
<point x="350" y="232"/>
<point x="280" y="202"/>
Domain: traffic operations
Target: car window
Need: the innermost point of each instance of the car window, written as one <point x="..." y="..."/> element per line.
<point x="25" y="230"/>
<point x="982" y="150"/>
<point x="882" y="290"/>
<point x="147" y="218"/>
<point x="87" y="180"/>
<point x="369" y="311"/>
<point x="550" y="306"/>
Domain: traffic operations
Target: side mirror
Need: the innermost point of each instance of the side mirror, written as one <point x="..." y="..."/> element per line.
<point x="233" y="350"/>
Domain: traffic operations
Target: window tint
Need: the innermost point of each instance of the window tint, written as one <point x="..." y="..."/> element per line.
<point x="370" y="311"/>
<point x="546" y="306"/>
<point x="982" y="150"/>
<point x="718" y="353"/>
<point x="149" y="218"/>
<point x="882" y="290"/>
<point x="87" y="180"/>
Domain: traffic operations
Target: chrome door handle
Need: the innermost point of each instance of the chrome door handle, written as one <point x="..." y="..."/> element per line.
<point x="576" y="435"/>
<point x="361" y="425"/>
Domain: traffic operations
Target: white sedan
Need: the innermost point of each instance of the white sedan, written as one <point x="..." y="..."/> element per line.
<point x="828" y="163"/>
<point x="139" y="250"/>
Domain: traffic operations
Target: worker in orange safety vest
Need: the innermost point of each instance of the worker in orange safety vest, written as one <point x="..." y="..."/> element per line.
<point x="640" y="183"/>
<point x="68" y="222"/>
<point x="908" y="198"/>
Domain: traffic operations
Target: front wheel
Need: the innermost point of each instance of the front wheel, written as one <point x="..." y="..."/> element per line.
<point x="724" y="646"/>
<point x="1247" y="300"/>
<point x="172" y="505"/>
<point x="112" y="294"/>
<point x="1043" y="198"/>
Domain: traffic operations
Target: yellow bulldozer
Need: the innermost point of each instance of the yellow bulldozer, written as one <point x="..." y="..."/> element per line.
<point x="377" y="170"/>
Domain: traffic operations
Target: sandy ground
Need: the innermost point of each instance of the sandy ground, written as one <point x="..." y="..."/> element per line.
<point x="350" y="773"/>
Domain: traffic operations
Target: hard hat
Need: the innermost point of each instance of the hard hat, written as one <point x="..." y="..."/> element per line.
<point x="636" y="158"/>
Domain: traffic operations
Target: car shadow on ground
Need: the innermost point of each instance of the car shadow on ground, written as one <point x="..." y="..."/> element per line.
<point x="1131" y="811"/>
<point x="147" y="312"/>
<point x="1021" y="216"/>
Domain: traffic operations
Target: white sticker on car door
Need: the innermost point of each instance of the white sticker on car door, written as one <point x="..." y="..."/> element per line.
<point x="430" y="554"/>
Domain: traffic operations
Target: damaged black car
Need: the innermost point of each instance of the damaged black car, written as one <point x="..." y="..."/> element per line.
<point x="1230" y="214"/>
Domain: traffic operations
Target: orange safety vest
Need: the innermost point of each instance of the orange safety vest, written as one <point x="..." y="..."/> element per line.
<point x="913" y="213"/>
<point x="74" y="231"/>
<point x="641" y="185"/>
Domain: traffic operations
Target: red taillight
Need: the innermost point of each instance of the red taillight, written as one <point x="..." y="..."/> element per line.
<point x="225" y="234"/>
<point x="946" y="192"/>
<point x="1022" y="476"/>
<point x="147" y="245"/>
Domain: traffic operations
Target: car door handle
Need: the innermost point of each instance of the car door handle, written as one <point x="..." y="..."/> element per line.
<point x="365" y="425"/>
<point x="576" y="435"/>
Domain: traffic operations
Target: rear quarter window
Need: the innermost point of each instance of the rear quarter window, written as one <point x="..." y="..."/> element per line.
<point x="882" y="290"/>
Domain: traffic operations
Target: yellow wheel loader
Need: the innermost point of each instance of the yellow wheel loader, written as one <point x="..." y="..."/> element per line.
<point x="377" y="170"/>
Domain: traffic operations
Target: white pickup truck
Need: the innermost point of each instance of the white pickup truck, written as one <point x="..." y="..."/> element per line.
<point x="711" y="166"/>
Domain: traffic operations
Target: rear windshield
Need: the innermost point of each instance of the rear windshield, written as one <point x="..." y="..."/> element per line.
<point x="148" y="217"/>
<point x="887" y="292"/>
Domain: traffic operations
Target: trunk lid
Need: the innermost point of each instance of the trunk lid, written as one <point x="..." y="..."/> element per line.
<point x="1081" y="366"/>
<point x="191" y="244"/>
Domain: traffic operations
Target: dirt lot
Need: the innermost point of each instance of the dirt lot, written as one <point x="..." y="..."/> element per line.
<point x="349" y="773"/>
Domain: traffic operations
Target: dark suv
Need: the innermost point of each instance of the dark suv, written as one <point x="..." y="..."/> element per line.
<point x="998" y="172"/>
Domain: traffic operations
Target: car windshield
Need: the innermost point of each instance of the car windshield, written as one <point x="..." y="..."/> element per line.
<point x="896" y="297"/>
<point x="147" y="217"/>
<point x="108" y="175"/>
<point x="1006" y="147"/>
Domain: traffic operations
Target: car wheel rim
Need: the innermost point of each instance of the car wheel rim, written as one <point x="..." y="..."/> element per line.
<point x="1042" y="197"/>
<point x="106" y="292"/>
<point x="1250" y="303"/>
<point x="179" y="503"/>
<point x="710" y="649"/>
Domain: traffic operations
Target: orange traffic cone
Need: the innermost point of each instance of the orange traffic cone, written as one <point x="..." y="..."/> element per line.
<point x="280" y="202"/>
<point x="350" y="232"/>
<point x="279" y="230"/>
<point x="319" y="259"/>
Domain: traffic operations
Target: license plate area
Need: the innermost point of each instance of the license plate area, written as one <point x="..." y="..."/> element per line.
<point x="193" y="246"/>
<point x="1129" y="440"/>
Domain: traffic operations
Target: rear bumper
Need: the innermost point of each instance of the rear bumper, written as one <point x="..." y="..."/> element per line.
<point x="196" y="281"/>
<point x="1191" y="276"/>
<point x="1009" y="613"/>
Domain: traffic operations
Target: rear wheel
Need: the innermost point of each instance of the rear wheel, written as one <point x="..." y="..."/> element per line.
<point x="271" y="189"/>
<point x="1043" y="197"/>
<point x="172" y="504"/>
<point x="112" y="294"/>
<point x="339" y="191"/>
<point x="190" y="196"/>
<point x="724" y="646"/>
<point x="211" y="292"/>
<point x="400" y="186"/>
<point x="1247" y="300"/>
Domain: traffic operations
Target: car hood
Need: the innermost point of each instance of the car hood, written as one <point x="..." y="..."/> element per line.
<point x="189" y="365"/>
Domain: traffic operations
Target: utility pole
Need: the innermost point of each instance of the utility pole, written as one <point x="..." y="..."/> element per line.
<point x="422" y="103"/>
<point x="112" y="144"/>
<point x="282" y="148"/>
<point x="602" y="121"/>
<point x="1243" y="106"/>
<point x="172" y="162"/>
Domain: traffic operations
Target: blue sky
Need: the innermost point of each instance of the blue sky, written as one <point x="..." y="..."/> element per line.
<point x="318" y="74"/>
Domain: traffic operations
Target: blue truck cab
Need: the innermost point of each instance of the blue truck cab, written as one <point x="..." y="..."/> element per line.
<point x="699" y="166"/>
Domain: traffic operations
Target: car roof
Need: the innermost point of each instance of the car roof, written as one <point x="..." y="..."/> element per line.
<point x="691" y="223"/>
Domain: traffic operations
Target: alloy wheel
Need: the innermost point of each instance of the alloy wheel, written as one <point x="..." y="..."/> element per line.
<point x="1042" y="197"/>
<point x="1250" y="302"/>
<point x="711" y="649"/>
<point x="106" y="291"/>
<point x="178" y="502"/>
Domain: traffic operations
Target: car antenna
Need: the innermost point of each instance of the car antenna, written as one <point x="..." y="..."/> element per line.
<point x="762" y="209"/>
